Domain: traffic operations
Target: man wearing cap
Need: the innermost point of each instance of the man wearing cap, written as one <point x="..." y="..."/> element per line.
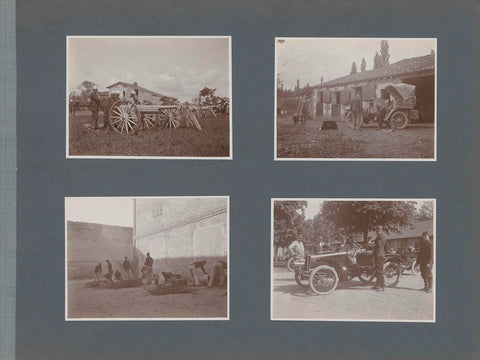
<point x="379" y="258"/>
<point x="95" y="105"/>
<point x="425" y="260"/>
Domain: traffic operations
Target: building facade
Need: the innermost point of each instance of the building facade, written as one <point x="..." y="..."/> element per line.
<point x="143" y="94"/>
<point x="330" y="99"/>
<point x="178" y="231"/>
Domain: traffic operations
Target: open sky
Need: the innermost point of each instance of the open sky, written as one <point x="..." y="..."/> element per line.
<point x="100" y="210"/>
<point x="309" y="59"/>
<point x="178" y="67"/>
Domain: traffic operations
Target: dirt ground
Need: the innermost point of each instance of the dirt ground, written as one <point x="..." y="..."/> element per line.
<point x="309" y="141"/>
<point x="211" y="141"/>
<point x="351" y="301"/>
<point x="87" y="302"/>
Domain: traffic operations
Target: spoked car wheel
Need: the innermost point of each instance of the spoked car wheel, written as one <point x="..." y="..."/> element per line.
<point x="392" y="273"/>
<point x="301" y="279"/>
<point x="323" y="280"/>
<point x="123" y="116"/>
<point x="349" y="119"/>
<point x="366" y="276"/>
<point x="399" y="119"/>
<point x="149" y="120"/>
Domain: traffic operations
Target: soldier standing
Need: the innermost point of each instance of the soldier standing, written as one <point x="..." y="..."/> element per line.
<point x="425" y="259"/>
<point x="379" y="259"/>
<point x="95" y="105"/>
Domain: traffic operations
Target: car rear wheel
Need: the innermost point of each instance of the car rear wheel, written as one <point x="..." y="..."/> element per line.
<point x="323" y="280"/>
<point x="392" y="273"/>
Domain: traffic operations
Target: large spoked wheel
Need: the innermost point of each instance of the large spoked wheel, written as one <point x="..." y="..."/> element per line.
<point x="366" y="276"/>
<point x="301" y="279"/>
<point x="323" y="280"/>
<point x="399" y="120"/>
<point x="123" y="116"/>
<point x="290" y="264"/>
<point x="149" y="120"/>
<point x="392" y="273"/>
<point x="169" y="118"/>
<point x="415" y="268"/>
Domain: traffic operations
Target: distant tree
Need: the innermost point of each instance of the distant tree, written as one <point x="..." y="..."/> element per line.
<point x="288" y="221"/>
<point x="425" y="212"/>
<point x="86" y="89"/>
<point x="353" y="70"/>
<point x="365" y="216"/>
<point x="384" y="53"/>
<point x="376" y="61"/>
<point x="363" y="65"/>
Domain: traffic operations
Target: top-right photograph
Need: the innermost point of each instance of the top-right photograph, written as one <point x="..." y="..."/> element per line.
<point x="370" y="99"/>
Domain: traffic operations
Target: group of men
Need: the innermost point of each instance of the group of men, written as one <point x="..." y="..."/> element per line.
<point x="126" y="273"/>
<point x="424" y="259"/>
<point x="96" y="105"/>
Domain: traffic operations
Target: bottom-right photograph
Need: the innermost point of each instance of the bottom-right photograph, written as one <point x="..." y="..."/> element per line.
<point x="353" y="260"/>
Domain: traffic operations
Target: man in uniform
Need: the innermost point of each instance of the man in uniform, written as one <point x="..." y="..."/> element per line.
<point x="114" y="96"/>
<point x="356" y="106"/>
<point x="127" y="269"/>
<point x="425" y="259"/>
<point x="95" y="105"/>
<point x="379" y="258"/>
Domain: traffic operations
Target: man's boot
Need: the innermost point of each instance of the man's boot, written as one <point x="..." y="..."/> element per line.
<point x="425" y="281"/>
<point x="429" y="287"/>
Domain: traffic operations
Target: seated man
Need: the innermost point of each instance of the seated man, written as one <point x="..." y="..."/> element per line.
<point x="219" y="272"/>
<point x="193" y="269"/>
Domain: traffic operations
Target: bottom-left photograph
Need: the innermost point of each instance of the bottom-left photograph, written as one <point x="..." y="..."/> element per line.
<point x="147" y="258"/>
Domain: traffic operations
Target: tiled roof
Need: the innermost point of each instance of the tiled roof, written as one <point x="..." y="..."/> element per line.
<point x="402" y="67"/>
<point x="137" y="87"/>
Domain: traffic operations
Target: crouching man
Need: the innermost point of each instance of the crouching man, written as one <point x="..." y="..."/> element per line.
<point x="219" y="271"/>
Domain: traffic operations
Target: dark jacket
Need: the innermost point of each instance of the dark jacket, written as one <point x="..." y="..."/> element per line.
<point x="356" y="104"/>
<point x="148" y="261"/>
<point x="379" y="246"/>
<point x="425" y="256"/>
<point x="95" y="101"/>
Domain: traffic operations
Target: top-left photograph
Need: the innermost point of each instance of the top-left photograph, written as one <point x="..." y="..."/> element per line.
<point x="159" y="97"/>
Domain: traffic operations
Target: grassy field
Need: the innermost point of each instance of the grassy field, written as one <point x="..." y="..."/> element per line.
<point x="309" y="141"/>
<point x="211" y="141"/>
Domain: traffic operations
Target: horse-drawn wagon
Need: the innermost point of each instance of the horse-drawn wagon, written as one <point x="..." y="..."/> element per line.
<point x="397" y="113"/>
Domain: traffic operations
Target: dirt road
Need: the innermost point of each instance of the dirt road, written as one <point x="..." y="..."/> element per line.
<point x="351" y="300"/>
<point x="309" y="141"/>
<point x="88" y="302"/>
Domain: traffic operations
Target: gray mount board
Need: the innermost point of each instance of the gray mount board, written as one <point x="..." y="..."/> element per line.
<point x="45" y="177"/>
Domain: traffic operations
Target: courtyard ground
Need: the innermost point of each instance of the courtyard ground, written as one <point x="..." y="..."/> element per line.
<point x="352" y="300"/>
<point x="137" y="302"/>
<point x="212" y="141"/>
<point x="416" y="141"/>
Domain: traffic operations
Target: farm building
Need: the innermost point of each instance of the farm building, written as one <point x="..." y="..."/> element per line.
<point x="142" y="93"/>
<point x="89" y="244"/>
<point x="331" y="97"/>
<point x="178" y="231"/>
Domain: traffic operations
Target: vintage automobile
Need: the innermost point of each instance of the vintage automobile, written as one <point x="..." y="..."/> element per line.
<point x="409" y="261"/>
<point x="397" y="113"/>
<point x="323" y="272"/>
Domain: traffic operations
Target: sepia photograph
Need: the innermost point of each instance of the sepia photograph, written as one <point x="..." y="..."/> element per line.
<point x="353" y="260"/>
<point x="355" y="99"/>
<point x="166" y="97"/>
<point x="147" y="258"/>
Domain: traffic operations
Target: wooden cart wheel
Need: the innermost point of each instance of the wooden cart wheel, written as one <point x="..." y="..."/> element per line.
<point x="123" y="116"/>
<point x="399" y="119"/>
<point x="349" y="119"/>
<point x="149" y="120"/>
<point x="169" y="118"/>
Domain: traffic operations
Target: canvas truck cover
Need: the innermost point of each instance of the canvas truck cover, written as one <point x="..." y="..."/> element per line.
<point x="401" y="91"/>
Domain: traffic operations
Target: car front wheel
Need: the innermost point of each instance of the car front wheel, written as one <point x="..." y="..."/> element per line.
<point x="323" y="280"/>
